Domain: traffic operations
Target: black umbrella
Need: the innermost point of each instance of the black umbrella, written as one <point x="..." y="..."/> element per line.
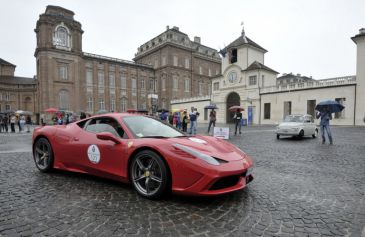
<point x="331" y="105"/>
<point x="162" y="110"/>
<point x="211" y="106"/>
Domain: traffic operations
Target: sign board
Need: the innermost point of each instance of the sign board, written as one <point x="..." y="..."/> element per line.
<point x="222" y="133"/>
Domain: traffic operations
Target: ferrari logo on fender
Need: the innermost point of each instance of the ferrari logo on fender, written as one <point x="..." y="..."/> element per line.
<point x="130" y="144"/>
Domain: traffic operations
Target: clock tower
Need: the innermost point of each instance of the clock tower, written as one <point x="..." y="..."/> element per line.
<point x="59" y="59"/>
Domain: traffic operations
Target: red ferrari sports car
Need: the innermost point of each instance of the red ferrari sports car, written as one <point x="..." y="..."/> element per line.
<point x="151" y="155"/>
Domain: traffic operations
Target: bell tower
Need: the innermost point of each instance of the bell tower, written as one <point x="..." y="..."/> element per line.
<point x="359" y="40"/>
<point x="59" y="59"/>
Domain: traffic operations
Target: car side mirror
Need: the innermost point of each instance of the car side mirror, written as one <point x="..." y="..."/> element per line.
<point x="107" y="136"/>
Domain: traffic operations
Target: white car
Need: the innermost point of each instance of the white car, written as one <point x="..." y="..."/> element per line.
<point x="299" y="125"/>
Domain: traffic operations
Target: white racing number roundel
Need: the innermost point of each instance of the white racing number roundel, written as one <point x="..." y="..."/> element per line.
<point x="93" y="153"/>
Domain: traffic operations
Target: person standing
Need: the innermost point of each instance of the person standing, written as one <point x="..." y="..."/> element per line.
<point x="185" y="121"/>
<point x="212" y="119"/>
<point x="21" y="123"/>
<point x="324" y="125"/>
<point x="237" y="118"/>
<point x="193" y="116"/>
<point x="5" y="123"/>
<point x="171" y="118"/>
<point x="12" y="123"/>
<point x="28" y="122"/>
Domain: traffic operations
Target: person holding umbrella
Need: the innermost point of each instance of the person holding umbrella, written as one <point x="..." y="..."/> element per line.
<point x="325" y="110"/>
<point x="237" y="117"/>
<point x="324" y="125"/>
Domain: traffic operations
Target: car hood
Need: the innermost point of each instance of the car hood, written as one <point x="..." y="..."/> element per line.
<point x="211" y="146"/>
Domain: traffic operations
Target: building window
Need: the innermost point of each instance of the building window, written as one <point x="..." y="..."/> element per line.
<point x="187" y="63"/>
<point x="252" y="80"/>
<point x="134" y="86"/>
<point x="89" y="78"/>
<point x="163" y="61"/>
<point x="112" y="105"/>
<point x="101" y="104"/>
<point x="233" y="56"/>
<point x="267" y="110"/>
<point x="175" y="83"/>
<point x="156" y="63"/>
<point x="123" y="81"/>
<point x="64" y="100"/>
<point x="200" y="92"/>
<point x="163" y="84"/>
<point x="215" y="86"/>
<point x="342" y="113"/>
<point x="101" y="79"/>
<point x="187" y="85"/>
<point x="216" y="71"/>
<point x="175" y="61"/>
<point x="112" y="80"/>
<point x="209" y="72"/>
<point x="123" y="104"/>
<point x="7" y="107"/>
<point x="62" y="37"/>
<point x="200" y="70"/>
<point x="263" y="81"/>
<point x="1" y="98"/>
<point x="63" y="74"/>
<point x="7" y="96"/>
<point x="163" y="104"/>
<point x="142" y="83"/>
<point x="287" y="108"/>
<point x="90" y="104"/>
<point x="151" y="85"/>
<point x="155" y="85"/>
<point x="311" y="104"/>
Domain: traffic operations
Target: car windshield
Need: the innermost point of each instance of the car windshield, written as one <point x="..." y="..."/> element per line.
<point x="294" y="118"/>
<point x="142" y="126"/>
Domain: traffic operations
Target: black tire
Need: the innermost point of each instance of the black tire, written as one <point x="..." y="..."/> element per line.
<point x="148" y="174"/>
<point x="277" y="136"/>
<point x="315" y="134"/>
<point x="301" y="134"/>
<point x="43" y="155"/>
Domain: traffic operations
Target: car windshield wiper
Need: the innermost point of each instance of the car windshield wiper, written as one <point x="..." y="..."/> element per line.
<point x="156" y="136"/>
<point x="182" y="136"/>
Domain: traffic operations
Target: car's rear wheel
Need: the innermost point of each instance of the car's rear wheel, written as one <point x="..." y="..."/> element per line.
<point x="301" y="133"/>
<point x="277" y="136"/>
<point x="315" y="134"/>
<point x="43" y="155"/>
<point x="149" y="174"/>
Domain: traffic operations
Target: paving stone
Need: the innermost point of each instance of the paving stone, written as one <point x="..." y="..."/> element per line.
<point x="301" y="188"/>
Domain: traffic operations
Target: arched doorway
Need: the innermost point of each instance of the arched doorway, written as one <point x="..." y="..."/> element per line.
<point x="232" y="99"/>
<point x="27" y="104"/>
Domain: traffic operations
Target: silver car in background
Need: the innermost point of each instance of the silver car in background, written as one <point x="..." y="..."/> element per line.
<point x="298" y="125"/>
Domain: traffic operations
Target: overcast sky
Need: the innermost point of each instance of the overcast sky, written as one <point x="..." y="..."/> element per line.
<point x="311" y="37"/>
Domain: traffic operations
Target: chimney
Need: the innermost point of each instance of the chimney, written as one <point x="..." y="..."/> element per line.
<point x="362" y="31"/>
<point x="197" y="39"/>
<point x="175" y="28"/>
<point x="167" y="27"/>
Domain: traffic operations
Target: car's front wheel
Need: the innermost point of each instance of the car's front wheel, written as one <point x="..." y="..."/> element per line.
<point x="43" y="155"/>
<point x="315" y="134"/>
<point x="301" y="133"/>
<point x="149" y="174"/>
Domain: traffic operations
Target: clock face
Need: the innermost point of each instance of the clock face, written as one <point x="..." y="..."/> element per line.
<point x="232" y="77"/>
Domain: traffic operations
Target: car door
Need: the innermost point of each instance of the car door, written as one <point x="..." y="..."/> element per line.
<point x="101" y="157"/>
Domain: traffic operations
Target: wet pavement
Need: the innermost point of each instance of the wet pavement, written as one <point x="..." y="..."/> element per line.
<point x="301" y="188"/>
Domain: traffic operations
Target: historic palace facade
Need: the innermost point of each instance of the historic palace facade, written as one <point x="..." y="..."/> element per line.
<point x="169" y="66"/>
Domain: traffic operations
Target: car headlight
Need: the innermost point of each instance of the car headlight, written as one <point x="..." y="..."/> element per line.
<point x="249" y="171"/>
<point x="197" y="154"/>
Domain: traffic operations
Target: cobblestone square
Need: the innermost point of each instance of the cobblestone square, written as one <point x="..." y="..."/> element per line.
<point x="301" y="188"/>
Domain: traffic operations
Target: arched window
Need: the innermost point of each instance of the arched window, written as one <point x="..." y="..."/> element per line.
<point x="27" y="104"/>
<point x="62" y="37"/>
<point x="64" y="103"/>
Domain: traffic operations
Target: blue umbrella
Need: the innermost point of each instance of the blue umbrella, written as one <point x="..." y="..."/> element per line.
<point x="211" y="106"/>
<point x="331" y="105"/>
